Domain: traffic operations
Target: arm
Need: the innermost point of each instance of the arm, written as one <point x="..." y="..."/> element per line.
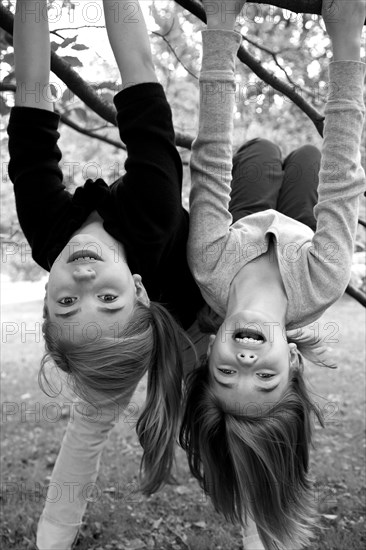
<point x="148" y="197"/>
<point x="211" y="160"/>
<point x="341" y="177"/>
<point x="129" y="41"/>
<point x="41" y="199"/>
<point x="32" y="54"/>
<point x="74" y="475"/>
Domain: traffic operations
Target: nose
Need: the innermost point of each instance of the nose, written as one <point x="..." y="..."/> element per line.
<point x="247" y="358"/>
<point x="84" y="273"/>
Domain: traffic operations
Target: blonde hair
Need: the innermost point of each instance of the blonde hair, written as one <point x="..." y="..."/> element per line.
<point x="109" y="369"/>
<point x="254" y="465"/>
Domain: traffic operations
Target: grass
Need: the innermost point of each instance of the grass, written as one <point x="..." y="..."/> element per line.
<point x="179" y="516"/>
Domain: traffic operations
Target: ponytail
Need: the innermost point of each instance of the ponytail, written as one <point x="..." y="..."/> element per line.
<point x="158" y="423"/>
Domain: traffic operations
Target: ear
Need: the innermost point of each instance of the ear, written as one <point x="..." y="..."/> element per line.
<point x="294" y="357"/>
<point x="211" y="341"/>
<point x="141" y="293"/>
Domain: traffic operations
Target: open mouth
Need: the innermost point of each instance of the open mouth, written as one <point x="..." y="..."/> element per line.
<point x="84" y="254"/>
<point x="248" y="336"/>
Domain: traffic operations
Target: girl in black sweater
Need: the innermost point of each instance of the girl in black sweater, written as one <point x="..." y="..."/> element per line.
<point x="119" y="292"/>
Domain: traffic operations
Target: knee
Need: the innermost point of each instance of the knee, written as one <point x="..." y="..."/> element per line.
<point x="307" y="152"/>
<point x="260" y="146"/>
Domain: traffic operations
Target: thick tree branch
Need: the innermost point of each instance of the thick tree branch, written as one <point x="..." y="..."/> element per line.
<point x="68" y="122"/>
<point x="87" y="94"/>
<point x="106" y="111"/>
<point x="356" y="294"/>
<point x="79" y="87"/>
<point x="295" y="6"/>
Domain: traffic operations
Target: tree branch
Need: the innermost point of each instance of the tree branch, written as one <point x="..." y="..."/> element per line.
<point x="105" y="110"/>
<point x="163" y="36"/>
<point x="79" y="87"/>
<point x="283" y="69"/>
<point x="196" y="8"/>
<point x="295" y="6"/>
<point x="357" y="295"/>
<point x="68" y="122"/>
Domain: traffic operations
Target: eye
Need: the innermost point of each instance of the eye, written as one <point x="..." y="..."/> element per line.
<point x="227" y="371"/>
<point x="67" y="301"/>
<point x="107" y="297"/>
<point x="265" y="375"/>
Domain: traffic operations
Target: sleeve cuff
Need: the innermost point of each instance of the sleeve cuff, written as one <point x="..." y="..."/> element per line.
<point x="30" y="116"/>
<point x="346" y="80"/>
<point x="219" y="50"/>
<point x="137" y="93"/>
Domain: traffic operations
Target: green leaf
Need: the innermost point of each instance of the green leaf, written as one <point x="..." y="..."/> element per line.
<point x="54" y="46"/>
<point x="73" y="61"/>
<point x="4" y="109"/>
<point x="68" y="95"/>
<point x="79" y="47"/>
<point x="68" y="41"/>
<point x="54" y="90"/>
<point x="9" y="58"/>
<point x="80" y="113"/>
<point x="9" y="78"/>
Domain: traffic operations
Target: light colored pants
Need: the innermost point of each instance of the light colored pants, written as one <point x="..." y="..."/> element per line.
<point x="251" y="540"/>
<point x="77" y="465"/>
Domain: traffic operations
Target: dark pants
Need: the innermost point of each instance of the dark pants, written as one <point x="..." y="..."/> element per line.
<point x="261" y="180"/>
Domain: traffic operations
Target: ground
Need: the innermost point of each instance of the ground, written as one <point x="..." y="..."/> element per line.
<point x="179" y="516"/>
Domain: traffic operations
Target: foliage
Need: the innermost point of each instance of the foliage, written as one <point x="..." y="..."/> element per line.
<point x="294" y="47"/>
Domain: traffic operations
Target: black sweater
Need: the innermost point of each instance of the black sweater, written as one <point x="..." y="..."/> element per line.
<point x="142" y="209"/>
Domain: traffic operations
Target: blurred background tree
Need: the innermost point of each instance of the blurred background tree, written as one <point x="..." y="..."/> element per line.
<point x="292" y="47"/>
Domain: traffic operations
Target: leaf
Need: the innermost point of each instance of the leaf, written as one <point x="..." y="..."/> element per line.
<point x="80" y="113"/>
<point x="156" y="524"/>
<point x="329" y="516"/>
<point x="68" y="95"/>
<point x="79" y="47"/>
<point x="9" y="58"/>
<point x="4" y="109"/>
<point x="9" y="78"/>
<point x="54" y="46"/>
<point x="107" y="96"/>
<point x="183" y="490"/>
<point x="200" y="524"/>
<point x="68" y="41"/>
<point x="135" y="544"/>
<point x="54" y="90"/>
<point x="73" y="61"/>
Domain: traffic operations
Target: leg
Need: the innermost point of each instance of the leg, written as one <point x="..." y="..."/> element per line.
<point x="299" y="194"/>
<point x="73" y="476"/>
<point x="257" y="178"/>
<point x="251" y="540"/>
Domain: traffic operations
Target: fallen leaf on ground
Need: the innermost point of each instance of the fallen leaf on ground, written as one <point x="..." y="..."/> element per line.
<point x="200" y="524"/>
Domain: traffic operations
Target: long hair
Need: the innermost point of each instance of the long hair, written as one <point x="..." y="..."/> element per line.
<point x="109" y="369"/>
<point x="254" y="465"/>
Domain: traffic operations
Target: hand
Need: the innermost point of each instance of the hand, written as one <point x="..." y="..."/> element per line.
<point x="344" y="20"/>
<point x="222" y="14"/>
